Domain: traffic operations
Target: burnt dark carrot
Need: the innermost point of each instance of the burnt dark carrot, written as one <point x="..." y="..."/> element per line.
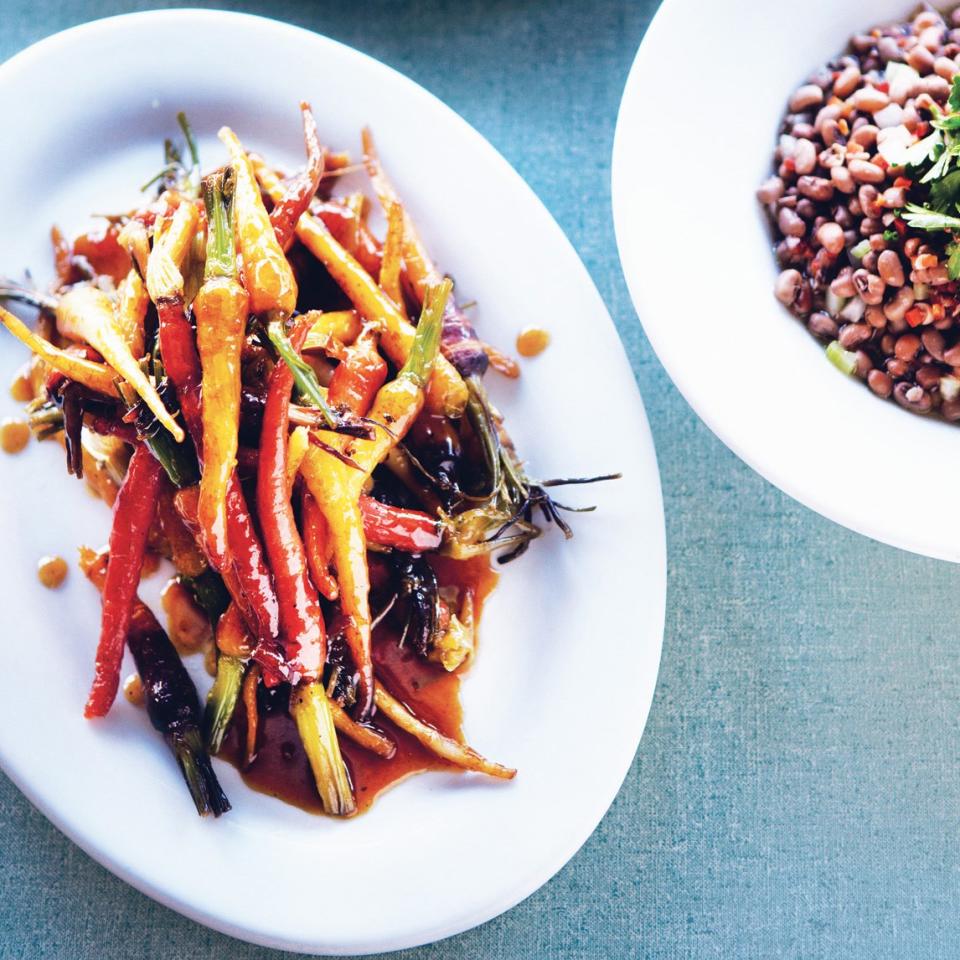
<point x="171" y="698"/>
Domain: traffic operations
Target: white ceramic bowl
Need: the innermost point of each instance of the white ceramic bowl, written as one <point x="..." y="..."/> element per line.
<point x="695" y="135"/>
<point x="440" y="853"/>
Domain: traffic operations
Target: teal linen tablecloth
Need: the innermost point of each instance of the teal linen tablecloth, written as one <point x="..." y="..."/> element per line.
<point x="797" y="790"/>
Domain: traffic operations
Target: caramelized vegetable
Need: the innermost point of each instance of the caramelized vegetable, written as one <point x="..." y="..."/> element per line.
<point x="448" y="394"/>
<point x="245" y="574"/>
<point x="459" y="342"/>
<point x="390" y="267"/>
<point x="314" y="719"/>
<point x="220" y="310"/>
<point x="299" y="191"/>
<point x="171" y="698"/>
<point x="86" y="313"/>
<point x="359" y="375"/>
<point x="132" y="516"/>
<point x="132" y="303"/>
<point x="334" y="421"/>
<point x="336" y="487"/>
<point x="266" y="273"/>
<point x="457" y="753"/>
<point x="301" y="620"/>
<point x="96" y="376"/>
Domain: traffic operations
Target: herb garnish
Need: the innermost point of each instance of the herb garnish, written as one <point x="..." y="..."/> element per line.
<point x="940" y="212"/>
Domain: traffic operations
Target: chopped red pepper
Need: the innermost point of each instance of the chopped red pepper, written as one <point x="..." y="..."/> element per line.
<point x="915" y="316"/>
<point x="904" y="182"/>
<point x="133" y="515"/>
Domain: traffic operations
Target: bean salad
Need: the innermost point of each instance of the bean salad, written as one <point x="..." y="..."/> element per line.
<point x="864" y="204"/>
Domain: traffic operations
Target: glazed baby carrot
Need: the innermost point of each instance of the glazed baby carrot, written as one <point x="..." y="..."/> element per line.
<point x="132" y="517"/>
<point x="220" y="310"/>
<point x="266" y="273"/>
<point x="300" y="190"/>
<point x="336" y="486"/>
<point x="459" y="342"/>
<point x="448" y="393"/>
<point x="96" y="376"/>
<point x="132" y="302"/>
<point x="86" y="313"/>
<point x="359" y="375"/>
<point x="301" y="619"/>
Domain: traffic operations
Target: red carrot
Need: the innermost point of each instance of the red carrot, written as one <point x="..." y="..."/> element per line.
<point x="300" y="190"/>
<point x="409" y="530"/>
<point x="133" y="515"/>
<point x="301" y="618"/>
<point x="245" y="572"/>
<point x="359" y="375"/>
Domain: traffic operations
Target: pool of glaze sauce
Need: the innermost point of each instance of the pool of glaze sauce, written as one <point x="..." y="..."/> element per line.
<point x="280" y="768"/>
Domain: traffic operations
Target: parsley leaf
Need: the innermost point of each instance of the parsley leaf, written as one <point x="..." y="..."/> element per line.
<point x="949" y="122"/>
<point x="954" y="102"/>
<point x="922" y="150"/>
<point x="921" y="218"/>
<point x="939" y="169"/>
<point x="945" y="193"/>
<point x="953" y="260"/>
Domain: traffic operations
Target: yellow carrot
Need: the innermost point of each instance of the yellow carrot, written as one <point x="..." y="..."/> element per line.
<point x="420" y="268"/>
<point x="220" y="309"/>
<point x="164" y="279"/>
<point x="96" y="376"/>
<point x="448" y="392"/>
<point x="364" y="736"/>
<point x="267" y="274"/>
<point x="311" y="710"/>
<point x="86" y="313"/>
<point x="297" y="446"/>
<point x="336" y="485"/>
<point x="457" y="753"/>
<point x="132" y="310"/>
<point x="332" y="329"/>
<point x="393" y="257"/>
